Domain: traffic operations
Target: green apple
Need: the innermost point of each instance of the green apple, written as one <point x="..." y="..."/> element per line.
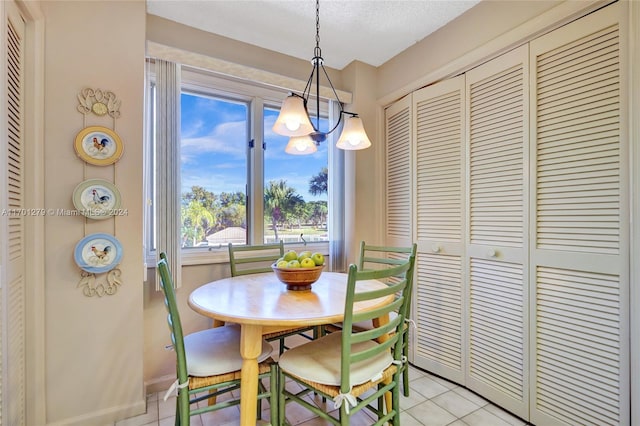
<point x="318" y="258"/>
<point x="304" y="255"/>
<point x="293" y="264"/>
<point x="290" y="255"/>
<point x="282" y="264"/>
<point x="307" y="262"/>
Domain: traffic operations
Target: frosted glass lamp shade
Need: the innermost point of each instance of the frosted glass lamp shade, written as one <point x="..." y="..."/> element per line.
<point x="353" y="135"/>
<point x="293" y="119"/>
<point x="301" y="145"/>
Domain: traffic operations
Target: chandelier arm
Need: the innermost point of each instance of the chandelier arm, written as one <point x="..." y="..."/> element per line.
<point x="307" y="88"/>
<point x="332" y="88"/>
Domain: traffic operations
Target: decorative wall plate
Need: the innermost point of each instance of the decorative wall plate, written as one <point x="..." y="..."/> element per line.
<point x="98" y="253"/>
<point x="98" y="145"/>
<point x="96" y="199"/>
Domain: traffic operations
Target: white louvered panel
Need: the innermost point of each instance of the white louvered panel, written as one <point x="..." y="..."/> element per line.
<point x="580" y="245"/>
<point x="439" y="226"/>
<point x="439" y="314"/>
<point x="438" y="170"/>
<point x="498" y="315"/>
<point x="578" y="346"/>
<point x="398" y="193"/>
<point x="578" y="146"/>
<point x="14" y="383"/>
<point x="496" y="133"/>
<point x="496" y="339"/>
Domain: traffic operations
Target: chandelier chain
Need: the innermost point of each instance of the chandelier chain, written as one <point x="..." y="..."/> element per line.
<point x="317" y="24"/>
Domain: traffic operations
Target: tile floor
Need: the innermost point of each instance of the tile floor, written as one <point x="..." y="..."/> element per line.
<point x="433" y="401"/>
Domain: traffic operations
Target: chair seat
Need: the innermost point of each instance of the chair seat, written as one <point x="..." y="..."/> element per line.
<point x="217" y="351"/>
<point x="319" y="361"/>
<point x="368" y="325"/>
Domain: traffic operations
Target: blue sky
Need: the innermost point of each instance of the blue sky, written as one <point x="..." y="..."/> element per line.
<point x="214" y="137"/>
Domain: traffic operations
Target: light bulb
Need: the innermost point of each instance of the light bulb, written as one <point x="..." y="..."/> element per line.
<point x="292" y="125"/>
<point x="293" y="119"/>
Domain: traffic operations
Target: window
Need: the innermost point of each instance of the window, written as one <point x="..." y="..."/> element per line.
<point x="236" y="182"/>
<point x="295" y="189"/>
<point x="213" y="170"/>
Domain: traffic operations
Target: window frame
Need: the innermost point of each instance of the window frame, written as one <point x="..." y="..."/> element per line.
<point x="257" y="97"/>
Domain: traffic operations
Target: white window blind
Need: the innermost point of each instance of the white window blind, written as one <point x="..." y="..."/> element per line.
<point x="167" y="166"/>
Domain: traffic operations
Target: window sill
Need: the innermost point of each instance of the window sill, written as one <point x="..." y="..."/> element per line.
<point x="209" y="256"/>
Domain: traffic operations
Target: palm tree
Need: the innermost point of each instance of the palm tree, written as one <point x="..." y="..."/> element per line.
<point x="195" y="218"/>
<point x="279" y="201"/>
<point x="318" y="183"/>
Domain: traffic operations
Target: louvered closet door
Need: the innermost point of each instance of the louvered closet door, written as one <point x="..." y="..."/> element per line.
<point x="580" y="235"/>
<point x="439" y="225"/>
<point x="399" y="211"/>
<point x="13" y="319"/>
<point x="497" y="314"/>
<point x="398" y="183"/>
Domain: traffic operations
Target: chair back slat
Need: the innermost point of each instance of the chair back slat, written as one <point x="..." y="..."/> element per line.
<point x="253" y="259"/>
<point x="173" y="318"/>
<point x="398" y="278"/>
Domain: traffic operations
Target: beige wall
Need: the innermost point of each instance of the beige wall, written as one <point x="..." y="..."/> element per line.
<point x="93" y="345"/>
<point x="482" y="24"/>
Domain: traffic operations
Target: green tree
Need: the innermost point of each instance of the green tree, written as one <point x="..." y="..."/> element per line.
<point x="318" y="211"/>
<point x="207" y="198"/>
<point x="231" y="198"/>
<point x="196" y="220"/>
<point x="280" y="200"/>
<point x="318" y="183"/>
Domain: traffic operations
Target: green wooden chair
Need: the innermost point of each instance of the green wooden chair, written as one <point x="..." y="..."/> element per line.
<point x="377" y="257"/>
<point x="255" y="259"/>
<point x="208" y="363"/>
<point x="350" y="366"/>
<point x="381" y="257"/>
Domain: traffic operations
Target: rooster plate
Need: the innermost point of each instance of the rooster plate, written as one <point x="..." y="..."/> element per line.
<point x="98" y="253"/>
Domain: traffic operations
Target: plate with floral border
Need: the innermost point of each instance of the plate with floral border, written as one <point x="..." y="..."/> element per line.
<point x="96" y="199"/>
<point x="98" y="253"/>
<point x="98" y="145"/>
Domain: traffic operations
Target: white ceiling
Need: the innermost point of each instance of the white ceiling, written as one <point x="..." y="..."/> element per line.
<point x="371" y="31"/>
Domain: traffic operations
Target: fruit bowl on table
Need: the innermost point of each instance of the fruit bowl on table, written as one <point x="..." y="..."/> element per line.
<point x="298" y="278"/>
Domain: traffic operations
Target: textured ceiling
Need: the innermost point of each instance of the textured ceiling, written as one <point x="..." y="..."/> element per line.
<point x="371" y="31"/>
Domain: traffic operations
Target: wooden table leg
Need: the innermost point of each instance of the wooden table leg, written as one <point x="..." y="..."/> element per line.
<point x="250" y="348"/>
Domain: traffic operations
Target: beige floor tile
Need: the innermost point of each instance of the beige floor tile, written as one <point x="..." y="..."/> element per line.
<point x="430" y="414"/>
<point x="455" y="403"/>
<point x="428" y="387"/>
<point x="458" y="423"/>
<point x="504" y="415"/>
<point x="412" y="400"/>
<point x="471" y="396"/>
<point x="407" y="419"/>
<point x="482" y="417"/>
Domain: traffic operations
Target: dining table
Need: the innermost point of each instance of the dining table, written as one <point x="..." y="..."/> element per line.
<point x="261" y="304"/>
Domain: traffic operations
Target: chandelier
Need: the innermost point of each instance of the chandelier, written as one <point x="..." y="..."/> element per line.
<point x="294" y="120"/>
